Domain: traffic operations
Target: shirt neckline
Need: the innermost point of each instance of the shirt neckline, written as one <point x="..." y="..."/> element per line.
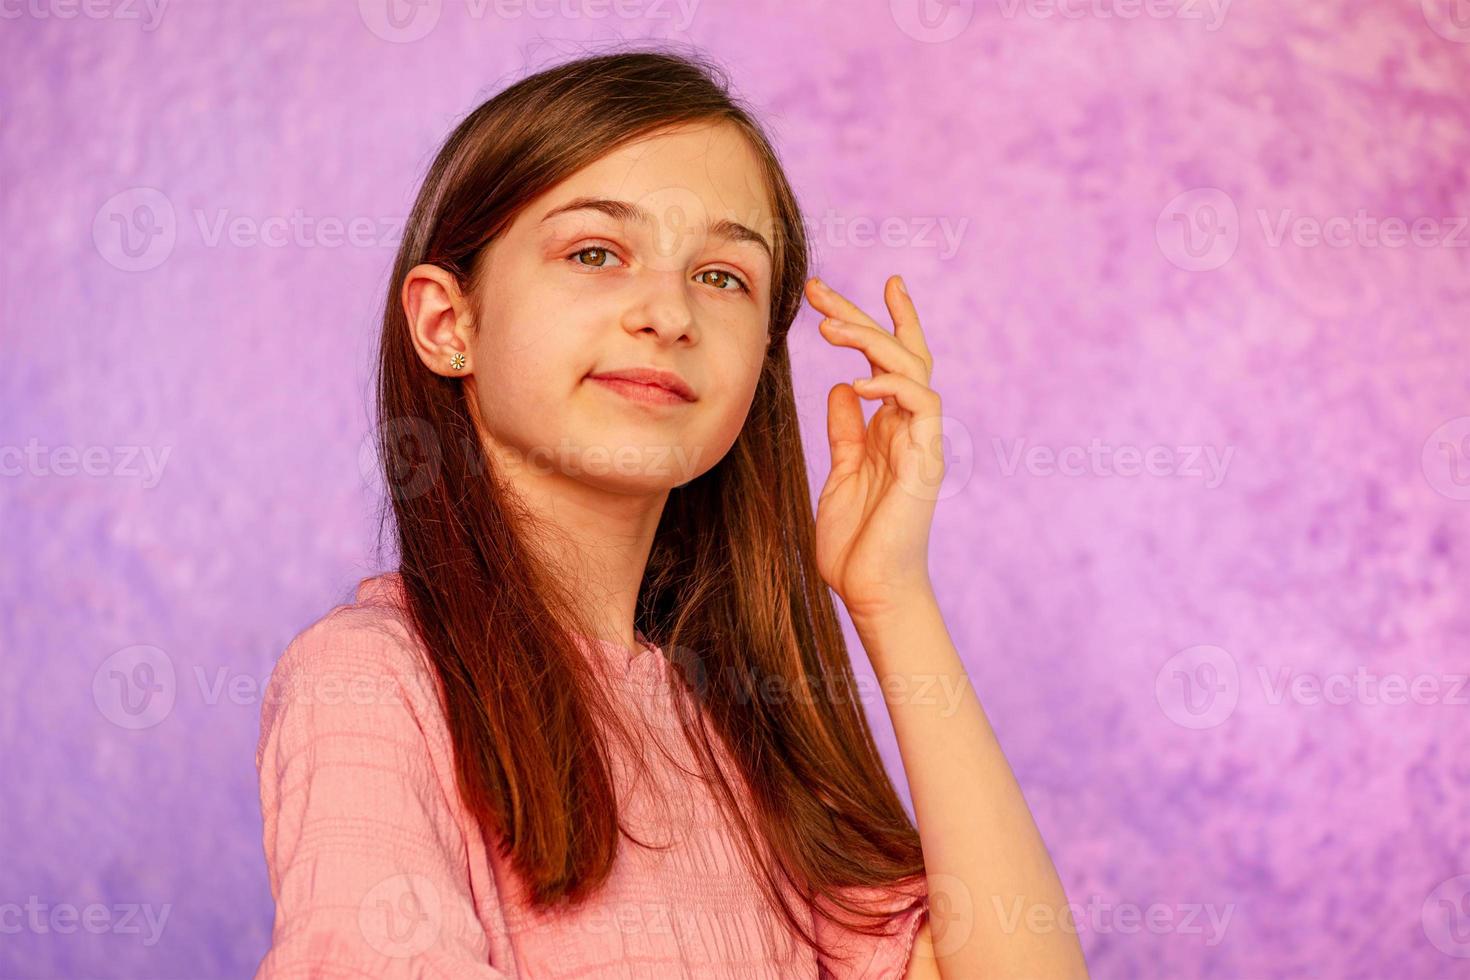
<point x="616" y="653"/>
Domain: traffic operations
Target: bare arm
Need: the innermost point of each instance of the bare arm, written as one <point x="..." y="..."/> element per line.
<point x="996" y="903"/>
<point x="922" y="965"/>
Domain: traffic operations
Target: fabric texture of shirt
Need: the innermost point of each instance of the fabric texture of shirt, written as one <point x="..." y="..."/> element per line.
<point x="378" y="870"/>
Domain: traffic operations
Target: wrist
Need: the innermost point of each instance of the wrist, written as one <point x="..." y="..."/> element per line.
<point x="899" y="604"/>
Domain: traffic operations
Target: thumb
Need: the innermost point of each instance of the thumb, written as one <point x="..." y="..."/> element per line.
<point x="845" y="426"/>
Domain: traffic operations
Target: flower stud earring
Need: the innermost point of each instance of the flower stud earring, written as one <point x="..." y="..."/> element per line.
<point x="457" y="361"/>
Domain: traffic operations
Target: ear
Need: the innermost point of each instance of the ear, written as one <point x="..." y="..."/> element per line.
<point x="439" y="319"/>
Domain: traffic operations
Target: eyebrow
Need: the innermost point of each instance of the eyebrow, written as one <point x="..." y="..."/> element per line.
<point x="626" y="212"/>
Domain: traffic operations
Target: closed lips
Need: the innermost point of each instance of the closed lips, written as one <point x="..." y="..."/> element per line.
<point x="651" y="376"/>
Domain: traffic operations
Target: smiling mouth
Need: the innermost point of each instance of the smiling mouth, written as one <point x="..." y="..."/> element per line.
<point x="647" y="394"/>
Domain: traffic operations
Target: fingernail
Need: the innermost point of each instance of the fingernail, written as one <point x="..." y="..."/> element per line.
<point x="901" y="287"/>
<point x="818" y="283"/>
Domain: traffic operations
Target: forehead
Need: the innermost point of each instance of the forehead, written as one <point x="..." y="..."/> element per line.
<point x="690" y="176"/>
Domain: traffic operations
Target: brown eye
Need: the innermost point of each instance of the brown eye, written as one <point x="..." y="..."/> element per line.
<point x="601" y="253"/>
<point x="729" y="277"/>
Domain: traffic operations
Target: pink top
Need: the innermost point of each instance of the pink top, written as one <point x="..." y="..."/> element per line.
<point x="377" y="870"/>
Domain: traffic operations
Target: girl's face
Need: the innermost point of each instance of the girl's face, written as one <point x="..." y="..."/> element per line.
<point x="656" y="256"/>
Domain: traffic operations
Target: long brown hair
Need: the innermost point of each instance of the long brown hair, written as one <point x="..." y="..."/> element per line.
<point x="731" y="591"/>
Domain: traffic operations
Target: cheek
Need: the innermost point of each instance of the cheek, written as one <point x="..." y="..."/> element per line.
<point x="737" y="392"/>
<point x="524" y="375"/>
<point x="750" y="355"/>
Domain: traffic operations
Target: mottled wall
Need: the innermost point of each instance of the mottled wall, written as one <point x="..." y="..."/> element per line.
<point x="1204" y="546"/>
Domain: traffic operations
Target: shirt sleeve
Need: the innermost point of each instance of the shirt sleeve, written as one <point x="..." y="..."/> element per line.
<point x="851" y="955"/>
<point x="367" y="863"/>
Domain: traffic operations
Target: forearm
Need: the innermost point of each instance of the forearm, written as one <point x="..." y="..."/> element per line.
<point x="987" y="864"/>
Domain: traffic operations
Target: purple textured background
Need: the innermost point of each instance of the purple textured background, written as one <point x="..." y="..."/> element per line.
<point x="1112" y="175"/>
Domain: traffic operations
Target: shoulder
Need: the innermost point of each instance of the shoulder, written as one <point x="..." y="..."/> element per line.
<point x="358" y="666"/>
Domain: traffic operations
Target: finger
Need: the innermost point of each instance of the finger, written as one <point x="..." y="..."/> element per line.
<point x="919" y="399"/>
<point x="921" y="474"/>
<point x="906" y="323"/>
<point x="845" y="426"/>
<point x="831" y="302"/>
<point x="883" y="349"/>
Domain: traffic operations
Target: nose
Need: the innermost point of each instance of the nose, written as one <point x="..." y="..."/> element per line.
<point x="663" y="306"/>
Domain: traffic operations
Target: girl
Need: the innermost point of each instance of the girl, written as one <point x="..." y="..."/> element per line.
<point x="611" y="616"/>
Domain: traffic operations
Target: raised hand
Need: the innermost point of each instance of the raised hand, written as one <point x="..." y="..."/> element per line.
<point x="875" y="511"/>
